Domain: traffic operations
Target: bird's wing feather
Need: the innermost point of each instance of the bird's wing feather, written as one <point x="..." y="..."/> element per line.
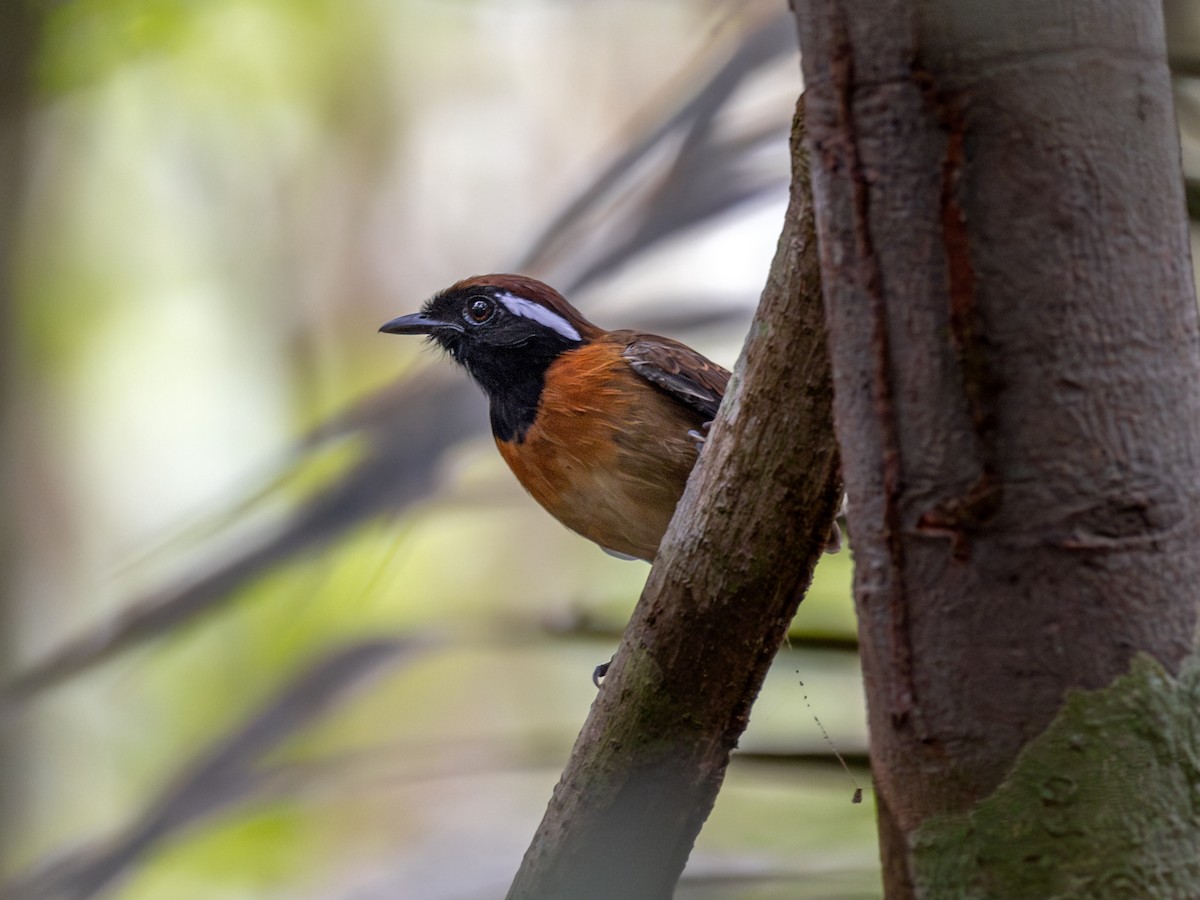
<point x="678" y="370"/>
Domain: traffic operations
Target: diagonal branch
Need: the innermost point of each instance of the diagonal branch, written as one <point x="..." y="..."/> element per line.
<point x="645" y="771"/>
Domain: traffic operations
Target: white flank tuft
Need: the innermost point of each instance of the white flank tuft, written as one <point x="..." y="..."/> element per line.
<point x="527" y="309"/>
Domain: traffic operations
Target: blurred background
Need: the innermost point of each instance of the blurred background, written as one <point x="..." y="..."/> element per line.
<point x="277" y="621"/>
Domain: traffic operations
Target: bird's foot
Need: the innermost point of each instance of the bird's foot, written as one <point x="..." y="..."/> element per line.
<point x="700" y="435"/>
<point x="599" y="673"/>
<point x="834" y="543"/>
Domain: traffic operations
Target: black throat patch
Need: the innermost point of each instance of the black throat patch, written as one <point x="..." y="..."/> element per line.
<point x="514" y="386"/>
<point x="514" y="409"/>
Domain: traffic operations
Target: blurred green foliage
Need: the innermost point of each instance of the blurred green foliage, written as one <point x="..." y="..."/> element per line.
<point x="225" y="199"/>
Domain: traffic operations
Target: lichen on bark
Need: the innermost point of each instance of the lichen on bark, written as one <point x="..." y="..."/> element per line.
<point x="1104" y="803"/>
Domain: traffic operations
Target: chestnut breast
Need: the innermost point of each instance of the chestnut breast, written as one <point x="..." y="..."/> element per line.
<point x="607" y="454"/>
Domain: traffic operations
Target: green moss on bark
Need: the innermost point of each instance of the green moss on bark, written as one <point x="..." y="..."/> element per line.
<point x="1104" y="804"/>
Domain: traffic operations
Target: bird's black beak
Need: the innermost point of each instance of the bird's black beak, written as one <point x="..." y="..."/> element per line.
<point x="417" y="323"/>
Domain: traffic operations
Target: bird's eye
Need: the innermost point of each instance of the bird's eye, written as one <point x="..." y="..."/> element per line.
<point x="480" y="309"/>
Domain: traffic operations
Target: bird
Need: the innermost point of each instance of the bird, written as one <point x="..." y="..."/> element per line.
<point x="601" y="427"/>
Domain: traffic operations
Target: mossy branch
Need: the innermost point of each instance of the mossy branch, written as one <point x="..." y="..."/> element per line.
<point x="731" y="571"/>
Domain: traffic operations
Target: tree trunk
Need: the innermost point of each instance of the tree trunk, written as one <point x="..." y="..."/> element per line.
<point x="741" y="548"/>
<point x="1014" y="342"/>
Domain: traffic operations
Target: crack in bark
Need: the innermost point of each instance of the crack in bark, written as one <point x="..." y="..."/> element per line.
<point x="972" y="509"/>
<point x="903" y="691"/>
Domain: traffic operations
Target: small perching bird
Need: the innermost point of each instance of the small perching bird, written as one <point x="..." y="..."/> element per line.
<point x="601" y="427"/>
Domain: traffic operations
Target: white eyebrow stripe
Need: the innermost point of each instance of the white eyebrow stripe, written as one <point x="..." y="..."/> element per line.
<point x="527" y="309"/>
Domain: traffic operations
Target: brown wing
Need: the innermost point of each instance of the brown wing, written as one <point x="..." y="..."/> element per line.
<point x="678" y="370"/>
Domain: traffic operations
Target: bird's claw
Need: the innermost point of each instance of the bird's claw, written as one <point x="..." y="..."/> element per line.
<point x="834" y="543"/>
<point x="599" y="673"/>
<point x="700" y="435"/>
